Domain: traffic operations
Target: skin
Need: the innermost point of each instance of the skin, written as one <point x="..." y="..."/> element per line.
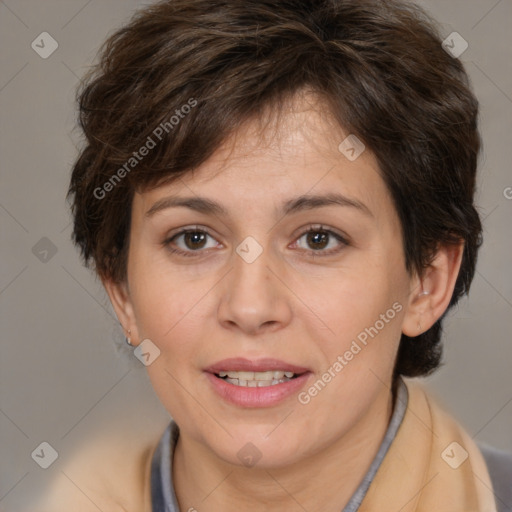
<point x="287" y="304"/>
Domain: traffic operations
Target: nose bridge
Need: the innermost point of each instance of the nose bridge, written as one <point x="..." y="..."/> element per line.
<point x="251" y="277"/>
<point x="253" y="297"/>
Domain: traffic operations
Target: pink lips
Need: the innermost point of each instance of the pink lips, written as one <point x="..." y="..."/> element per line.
<point x="267" y="396"/>
<point x="246" y="365"/>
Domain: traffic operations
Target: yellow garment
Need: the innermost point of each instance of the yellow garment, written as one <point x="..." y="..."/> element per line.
<point x="114" y="474"/>
<point x="111" y="473"/>
<point x="414" y="476"/>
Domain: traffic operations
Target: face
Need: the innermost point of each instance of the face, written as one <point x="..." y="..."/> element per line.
<point x="299" y="268"/>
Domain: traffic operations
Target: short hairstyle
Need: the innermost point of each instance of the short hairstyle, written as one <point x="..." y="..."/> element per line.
<point x="183" y="75"/>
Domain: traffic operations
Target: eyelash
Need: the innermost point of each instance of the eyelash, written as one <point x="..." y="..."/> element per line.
<point x="312" y="229"/>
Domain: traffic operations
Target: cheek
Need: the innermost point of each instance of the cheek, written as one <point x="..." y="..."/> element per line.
<point x="363" y="313"/>
<point x="161" y="298"/>
<point x="167" y="314"/>
<point x="363" y="309"/>
<point x="175" y="314"/>
<point x="355" y="299"/>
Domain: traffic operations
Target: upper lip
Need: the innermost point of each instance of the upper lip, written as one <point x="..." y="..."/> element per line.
<point x="260" y="365"/>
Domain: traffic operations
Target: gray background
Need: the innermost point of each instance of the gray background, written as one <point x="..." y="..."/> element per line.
<point x="64" y="370"/>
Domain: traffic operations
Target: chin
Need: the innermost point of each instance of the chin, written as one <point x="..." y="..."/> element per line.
<point x="253" y="450"/>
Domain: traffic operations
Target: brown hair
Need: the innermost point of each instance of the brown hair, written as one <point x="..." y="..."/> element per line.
<point x="187" y="73"/>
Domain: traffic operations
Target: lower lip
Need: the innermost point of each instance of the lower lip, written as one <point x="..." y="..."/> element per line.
<point x="257" y="397"/>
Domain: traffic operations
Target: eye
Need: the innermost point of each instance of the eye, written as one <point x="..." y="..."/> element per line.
<point x="194" y="241"/>
<point x="318" y="238"/>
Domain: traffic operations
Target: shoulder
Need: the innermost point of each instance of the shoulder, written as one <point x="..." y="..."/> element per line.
<point x="111" y="471"/>
<point x="499" y="465"/>
<point x="496" y="463"/>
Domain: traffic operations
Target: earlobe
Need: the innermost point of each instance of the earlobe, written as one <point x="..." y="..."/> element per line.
<point x="121" y="302"/>
<point x="432" y="291"/>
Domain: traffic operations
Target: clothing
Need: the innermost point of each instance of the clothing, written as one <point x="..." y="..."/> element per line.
<point x="411" y="470"/>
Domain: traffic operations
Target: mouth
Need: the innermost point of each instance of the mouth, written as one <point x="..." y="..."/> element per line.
<point x="261" y="383"/>
<point x="255" y="373"/>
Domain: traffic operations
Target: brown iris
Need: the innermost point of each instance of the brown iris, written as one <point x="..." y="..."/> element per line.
<point x="318" y="238"/>
<point x="195" y="237"/>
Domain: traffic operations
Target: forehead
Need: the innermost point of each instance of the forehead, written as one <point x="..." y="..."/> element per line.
<point x="274" y="157"/>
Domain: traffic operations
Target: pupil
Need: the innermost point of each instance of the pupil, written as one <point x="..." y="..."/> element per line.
<point x="318" y="237"/>
<point x="195" y="236"/>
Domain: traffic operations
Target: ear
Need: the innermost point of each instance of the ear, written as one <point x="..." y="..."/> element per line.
<point x="121" y="302"/>
<point x="432" y="291"/>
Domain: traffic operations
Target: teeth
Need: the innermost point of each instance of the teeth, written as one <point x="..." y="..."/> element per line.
<point x="256" y="383"/>
<point x="256" y="379"/>
<point x="259" y="376"/>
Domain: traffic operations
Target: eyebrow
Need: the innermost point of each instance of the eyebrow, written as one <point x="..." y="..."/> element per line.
<point x="300" y="203"/>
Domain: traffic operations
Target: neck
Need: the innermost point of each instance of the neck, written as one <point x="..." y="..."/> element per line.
<point x="324" y="481"/>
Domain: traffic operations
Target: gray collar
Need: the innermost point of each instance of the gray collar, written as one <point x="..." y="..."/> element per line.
<point x="163" y="498"/>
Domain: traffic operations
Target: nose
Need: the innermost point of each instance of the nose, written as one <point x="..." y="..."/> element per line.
<point x="254" y="298"/>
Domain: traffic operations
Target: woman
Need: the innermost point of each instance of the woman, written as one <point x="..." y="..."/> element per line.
<point x="278" y="199"/>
